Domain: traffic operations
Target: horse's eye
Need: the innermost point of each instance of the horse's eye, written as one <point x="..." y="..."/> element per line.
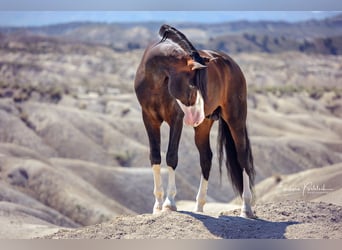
<point x="192" y="86"/>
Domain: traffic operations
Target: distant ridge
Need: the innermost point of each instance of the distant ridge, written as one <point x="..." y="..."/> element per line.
<point x="311" y="36"/>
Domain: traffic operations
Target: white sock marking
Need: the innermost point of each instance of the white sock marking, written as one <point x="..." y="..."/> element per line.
<point x="158" y="189"/>
<point x="201" y="195"/>
<point x="169" y="203"/>
<point x="246" y="209"/>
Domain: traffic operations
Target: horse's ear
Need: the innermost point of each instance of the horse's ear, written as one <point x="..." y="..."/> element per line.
<point x="209" y="59"/>
<point x="195" y="65"/>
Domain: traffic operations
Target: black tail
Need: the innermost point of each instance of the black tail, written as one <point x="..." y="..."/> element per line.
<point x="226" y="143"/>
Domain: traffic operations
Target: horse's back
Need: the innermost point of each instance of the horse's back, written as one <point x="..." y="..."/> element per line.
<point x="225" y="58"/>
<point x="225" y="66"/>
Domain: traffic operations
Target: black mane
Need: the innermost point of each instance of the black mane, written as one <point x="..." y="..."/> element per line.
<point x="168" y="32"/>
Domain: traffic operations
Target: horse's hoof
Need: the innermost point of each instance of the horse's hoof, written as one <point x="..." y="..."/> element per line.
<point x="157" y="210"/>
<point x="169" y="208"/>
<point x="248" y="214"/>
<point x="198" y="210"/>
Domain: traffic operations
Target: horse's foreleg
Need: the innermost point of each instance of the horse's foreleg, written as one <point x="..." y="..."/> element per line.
<point x="169" y="203"/>
<point x="202" y="141"/>
<point x="176" y="126"/>
<point x="152" y="126"/>
<point x="158" y="190"/>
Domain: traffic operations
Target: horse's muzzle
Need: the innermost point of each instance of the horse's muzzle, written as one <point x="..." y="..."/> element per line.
<point x="193" y="115"/>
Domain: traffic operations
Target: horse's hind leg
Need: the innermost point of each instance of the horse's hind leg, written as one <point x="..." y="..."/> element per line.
<point x="244" y="157"/>
<point x="176" y="127"/>
<point x="152" y="126"/>
<point x="202" y="134"/>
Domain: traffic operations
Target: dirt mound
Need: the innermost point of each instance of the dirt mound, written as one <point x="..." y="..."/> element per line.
<point x="317" y="184"/>
<point x="288" y="219"/>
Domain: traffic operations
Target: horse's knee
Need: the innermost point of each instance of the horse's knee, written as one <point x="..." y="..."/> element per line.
<point x="155" y="157"/>
<point x="172" y="159"/>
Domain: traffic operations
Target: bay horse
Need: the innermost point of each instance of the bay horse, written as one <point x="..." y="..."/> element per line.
<point x="176" y="83"/>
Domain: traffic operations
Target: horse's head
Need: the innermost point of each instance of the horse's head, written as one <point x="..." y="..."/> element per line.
<point x="187" y="77"/>
<point x="183" y="86"/>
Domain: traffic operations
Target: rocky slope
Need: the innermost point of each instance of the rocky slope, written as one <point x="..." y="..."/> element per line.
<point x="311" y="36"/>
<point x="283" y="220"/>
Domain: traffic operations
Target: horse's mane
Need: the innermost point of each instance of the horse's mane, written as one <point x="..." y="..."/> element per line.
<point x="168" y="32"/>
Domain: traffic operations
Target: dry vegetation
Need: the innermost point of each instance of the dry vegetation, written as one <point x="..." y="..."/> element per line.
<point x="73" y="150"/>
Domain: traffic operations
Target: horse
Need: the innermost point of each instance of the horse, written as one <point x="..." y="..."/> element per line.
<point x="176" y="83"/>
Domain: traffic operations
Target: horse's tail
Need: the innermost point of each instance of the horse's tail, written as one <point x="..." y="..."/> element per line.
<point x="226" y="143"/>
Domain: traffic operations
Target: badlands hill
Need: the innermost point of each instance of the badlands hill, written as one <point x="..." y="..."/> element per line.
<point x="74" y="153"/>
<point x="311" y="36"/>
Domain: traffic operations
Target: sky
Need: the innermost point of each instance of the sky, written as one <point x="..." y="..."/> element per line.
<point x="39" y="18"/>
<point x="237" y="5"/>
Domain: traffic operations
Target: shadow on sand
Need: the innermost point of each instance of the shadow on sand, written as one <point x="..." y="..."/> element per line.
<point x="234" y="227"/>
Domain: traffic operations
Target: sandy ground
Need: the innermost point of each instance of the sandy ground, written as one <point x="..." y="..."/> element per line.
<point x="283" y="220"/>
<point x="21" y="226"/>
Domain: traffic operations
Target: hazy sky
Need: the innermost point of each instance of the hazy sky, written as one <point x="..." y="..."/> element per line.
<point x="170" y="5"/>
<point x="34" y="18"/>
